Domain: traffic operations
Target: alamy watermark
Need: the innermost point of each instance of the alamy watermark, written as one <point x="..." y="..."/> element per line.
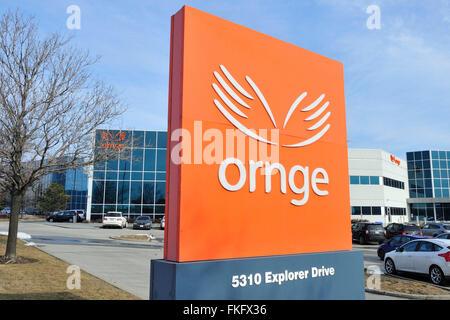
<point x="73" y="22"/>
<point x="374" y="20"/>
<point x="74" y="280"/>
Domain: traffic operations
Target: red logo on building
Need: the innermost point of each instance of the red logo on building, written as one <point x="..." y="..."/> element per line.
<point x="395" y="160"/>
<point x="112" y="141"/>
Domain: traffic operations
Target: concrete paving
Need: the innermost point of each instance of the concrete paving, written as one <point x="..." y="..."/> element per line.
<point x="124" y="264"/>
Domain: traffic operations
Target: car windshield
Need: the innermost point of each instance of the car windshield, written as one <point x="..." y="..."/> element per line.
<point x="113" y="214"/>
<point x="143" y="219"/>
<point x="412" y="228"/>
<point x="373" y="227"/>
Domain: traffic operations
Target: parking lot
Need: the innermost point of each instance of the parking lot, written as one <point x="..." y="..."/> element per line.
<point x="125" y="264"/>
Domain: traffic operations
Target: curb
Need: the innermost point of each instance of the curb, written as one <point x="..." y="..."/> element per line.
<point x="408" y="296"/>
<point x="419" y="281"/>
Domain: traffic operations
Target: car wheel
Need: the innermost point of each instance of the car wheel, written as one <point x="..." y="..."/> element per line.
<point x="436" y="275"/>
<point x="70" y="220"/>
<point x="381" y="254"/>
<point x="362" y="240"/>
<point x="51" y="220"/>
<point x="389" y="266"/>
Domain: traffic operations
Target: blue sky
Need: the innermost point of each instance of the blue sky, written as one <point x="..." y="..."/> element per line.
<point x="397" y="79"/>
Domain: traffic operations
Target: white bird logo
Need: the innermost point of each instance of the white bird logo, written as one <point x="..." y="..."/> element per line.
<point x="239" y="100"/>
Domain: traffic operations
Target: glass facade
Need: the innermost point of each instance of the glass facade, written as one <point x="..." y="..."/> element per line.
<point x="75" y="182"/>
<point x="134" y="180"/>
<point x="429" y="178"/>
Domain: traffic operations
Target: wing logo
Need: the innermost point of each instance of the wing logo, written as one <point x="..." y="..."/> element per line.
<point x="108" y="136"/>
<point x="312" y="112"/>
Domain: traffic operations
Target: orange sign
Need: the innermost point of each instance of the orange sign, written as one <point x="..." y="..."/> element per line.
<point x="112" y="141"/>
<point x="283" y="188"/>
<point x="395" y="160"/>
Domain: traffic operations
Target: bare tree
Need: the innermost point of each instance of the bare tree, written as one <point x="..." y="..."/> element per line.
<point x="50" y="106"/>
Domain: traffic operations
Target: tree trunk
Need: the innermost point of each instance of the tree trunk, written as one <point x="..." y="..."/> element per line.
<point x="16" y="199"/>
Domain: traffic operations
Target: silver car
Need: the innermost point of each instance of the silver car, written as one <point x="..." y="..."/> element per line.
<point x="434" y="229"/>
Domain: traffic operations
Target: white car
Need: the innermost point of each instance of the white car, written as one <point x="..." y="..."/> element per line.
<point x="424" y="256"/>
<point x="114" y="219"/>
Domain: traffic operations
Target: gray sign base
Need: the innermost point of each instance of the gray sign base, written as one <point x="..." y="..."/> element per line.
<point x="315" y="276"/>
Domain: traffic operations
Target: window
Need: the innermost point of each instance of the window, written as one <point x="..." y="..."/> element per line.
<point x="436" y="247"/>
<point x="410" y="247"/>
<point x="396" y="240"/>
<point x="425" y="246"/>
<point x="398" y="184"/>
<point x="364" y="179"/>
<point x="366" y="211"/>
<point x="374" y="180"/>
<point x="161" y="160"/>
<point x="162" y="139"/>
<point x="354" y="179"/>
<point x="376" y="211"/>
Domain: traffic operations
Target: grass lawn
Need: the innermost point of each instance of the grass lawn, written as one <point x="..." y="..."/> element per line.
<point x="406" y="286"/>
<point x="46" y="279"/>
<point x="132" y="237"/>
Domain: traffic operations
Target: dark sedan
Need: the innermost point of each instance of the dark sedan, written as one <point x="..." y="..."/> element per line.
<point x="143" y="222"/>
<point x="394" y="243"/>
<point x="63" y="216"/>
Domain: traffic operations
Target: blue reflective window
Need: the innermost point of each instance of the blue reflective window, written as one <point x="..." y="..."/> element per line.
<point x="147" y="209"/>
<point x="425" y="155"/>
<point x="162" y="139"/>
<point x="136" y="209"/>
<point x="427" y="174"/>
<point x="444" y="183"/>
<point x="160" y="196"/>
<point x="426" y="164"/>
<point x="418" y="164"/>
<point x="435" y="164"/>
<point x="412" y="193"/>
<point x="411" y="175"/>
<point x="161" y="160"/>
<point x="160" y="176"/>
<point x="374" y="180"/>
<point x="110" y="191"/>
<point x="123" y="208"/>
<point x="444" y="174"/>
<point x="409" y="156"/>
<point x="138" y="159"/>
<point x="112" y="164"/>
<point x="125" y="159"/>
<point x="159" y="209"/>
<point x="111" y="175"/>
<point x="136" y="176"/>
<point x="443" y="164"/>
<point x="436" y="173"/>
<point x="138" y="139"/>
<point x="442" y="155"/>
<point x="420" y="183"/>
<point x="149" y="193"/>
<point x="124" y="175"/>
<point x="123" y="192"/>
<point x="150" y="139"/>
<point x="364" y="179"/>
<point x="435" y="154"/>
<point x="99" y="175"/>
<point x="354" y="179"/>
<point x="437" y="183"/>
<point x="97" y="191"/>
<point x="437" y="193"/>
<point x="96" y="208"/>
<point x="419" y="174"/>
<point x="149" y="176"/>
<point x="429" y="193"/>
<point x="418" y="155"/>
<point x="410" y="165"/>
<point x="445" y="193"/>
<point x="428" y="183"/>
<point x="136" y="192"/>
<point x="150" y="158"/>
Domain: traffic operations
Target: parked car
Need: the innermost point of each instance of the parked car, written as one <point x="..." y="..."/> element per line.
<point x="63" y="216"/>
<point x="394" y="229"/>
<point x="368" y="232"/>
<point x="143" y="222"/>
<point x="443" y="236"/>
<point x="114" y="219"/>
<point x="6" y="211"/>
<point x="394" y="243"/>
<point x="433" y="229"/>
<point x="163" y="222"/>
<point x="425" y="256"/>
